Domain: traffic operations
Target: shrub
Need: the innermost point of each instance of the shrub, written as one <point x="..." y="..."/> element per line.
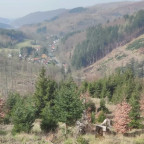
<point x="101" y="117"/>
<point x="6" y="119"/>
<point x="84" y="87"/>
<point x="11" y="101"/>
<point x="136" y="44"/>
<point x="68" y="141"/>
<point x="121" y="117"/>
<point x="2" y="132"/>
<point x="93" y="117"/>
<point x="91" y="105"/>
<point x="23" y="116"/>
<point x="81" y="140"/>
<point x="103" y="107"/>
<point x="49" y="121"/>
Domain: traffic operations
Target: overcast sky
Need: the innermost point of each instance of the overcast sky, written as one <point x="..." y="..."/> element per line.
<point x="19" y="8"/>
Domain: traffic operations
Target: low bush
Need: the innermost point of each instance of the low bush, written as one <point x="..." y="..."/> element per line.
<point x="81" y="140"/>
<point x="93" y="120"/>
<point x="23" y="116"/>
<point x="103" y="106"/>
<point x="91" y="105"/>
<point x="101" y="117"/>
<point x="49" y="121"/>
<point x="11" y="101"/>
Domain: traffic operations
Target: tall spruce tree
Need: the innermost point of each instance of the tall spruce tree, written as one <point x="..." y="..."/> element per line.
<point x="135" y="111"/>
<point x="45" y="91"/>
<point x="40" y="91"/>
<point x="68" y="105"/>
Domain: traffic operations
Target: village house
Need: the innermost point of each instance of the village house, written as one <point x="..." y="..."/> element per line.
<point x="44" y="56"/>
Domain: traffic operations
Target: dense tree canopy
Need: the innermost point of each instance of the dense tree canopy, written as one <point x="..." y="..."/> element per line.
<point x="116" y="87"/>
<point x="10" y="37"/>
<point x="101" y="40"/>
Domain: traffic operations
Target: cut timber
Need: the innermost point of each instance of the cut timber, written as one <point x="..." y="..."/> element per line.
<point x="101" y="130"/>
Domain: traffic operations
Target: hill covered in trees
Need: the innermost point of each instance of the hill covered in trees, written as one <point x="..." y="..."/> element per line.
<point x="5" y="26"/>
<point x="8" y="38"/>
<point x="101" y="40"/>
<point x="37" y="17"/>
<point x="81" y="18"/>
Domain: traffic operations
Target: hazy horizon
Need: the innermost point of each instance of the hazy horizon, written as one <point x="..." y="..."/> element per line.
<point x="17" y="8"/>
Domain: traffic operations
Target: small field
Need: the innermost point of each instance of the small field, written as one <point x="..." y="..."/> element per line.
<point x="26" y="43"/>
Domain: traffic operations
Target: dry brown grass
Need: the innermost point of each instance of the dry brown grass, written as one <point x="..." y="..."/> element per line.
<point x="119" y="139"/>
<point x="37" y="137"/>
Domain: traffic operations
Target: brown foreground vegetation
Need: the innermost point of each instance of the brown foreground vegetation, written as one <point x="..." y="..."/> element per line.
<point x="37" y="137"/>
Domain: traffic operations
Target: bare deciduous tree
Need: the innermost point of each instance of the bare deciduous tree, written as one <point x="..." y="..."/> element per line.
<point x="121" y="117"/>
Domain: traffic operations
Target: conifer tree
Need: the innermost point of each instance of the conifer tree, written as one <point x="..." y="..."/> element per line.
<point x="40" y="91"/>
<point x="50" y="92"/>
<point x="45" y="91"/>
<point x="103" y="106"/>
<point x="68" y="105"/>
<point x="23" y="115"/>
<point x="49" y="120"/>
<point x="135" y="111"/>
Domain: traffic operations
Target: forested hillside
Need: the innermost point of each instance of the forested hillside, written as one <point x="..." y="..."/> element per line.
<point x="102" y="40"/>
<point x="37" y="17"/>
<point x="6" y="26"/>
<point x="8" y="38"/>
<point x="81" y="18"/>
